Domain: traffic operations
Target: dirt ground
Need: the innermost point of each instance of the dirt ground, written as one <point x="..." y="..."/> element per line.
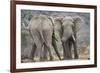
<point x="82" y="55"/>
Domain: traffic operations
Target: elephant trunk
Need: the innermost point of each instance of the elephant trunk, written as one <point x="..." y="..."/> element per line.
<point x="75" y="47"/>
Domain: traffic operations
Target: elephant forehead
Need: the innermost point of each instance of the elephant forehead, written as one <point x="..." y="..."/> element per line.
<point x="67" y="24"/>
<point x="68" y="18"/>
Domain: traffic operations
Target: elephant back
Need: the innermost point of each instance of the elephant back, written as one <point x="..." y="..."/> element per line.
<point x="40" y="22"/>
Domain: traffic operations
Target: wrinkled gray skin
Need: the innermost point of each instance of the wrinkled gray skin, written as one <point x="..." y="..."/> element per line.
<point x="41" y="31"/>
<point x="67" y="28"/>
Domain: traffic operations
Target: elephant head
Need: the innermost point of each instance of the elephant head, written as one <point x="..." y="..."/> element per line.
<point x="68" y="25"/>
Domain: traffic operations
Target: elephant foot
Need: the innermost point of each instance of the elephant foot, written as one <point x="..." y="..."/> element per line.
<point x="59" y="58"/>
<point x="51" y="58"/>
<point x="67" y="58"/>
<point x="42" y="59"/>
<point x="76" y="57"/>
<point x="31" y="59"/>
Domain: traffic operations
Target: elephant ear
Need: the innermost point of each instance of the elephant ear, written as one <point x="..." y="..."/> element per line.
<point x="58" y="22"/>
<point x="58" y="25"/>
<point x="78" y="21"/>
<point x="59" y="18"/>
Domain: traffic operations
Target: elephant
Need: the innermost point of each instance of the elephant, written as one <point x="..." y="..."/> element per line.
<point x="41" y="30"/>
<point x="68" y="26"/>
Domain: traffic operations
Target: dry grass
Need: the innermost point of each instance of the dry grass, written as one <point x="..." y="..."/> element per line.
<point x="84" y="54"/>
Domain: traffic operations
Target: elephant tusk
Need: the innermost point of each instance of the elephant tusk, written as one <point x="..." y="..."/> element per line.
<point x="73" y="37"/>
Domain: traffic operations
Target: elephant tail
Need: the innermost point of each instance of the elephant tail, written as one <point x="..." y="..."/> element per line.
<point x="42" y="37"/>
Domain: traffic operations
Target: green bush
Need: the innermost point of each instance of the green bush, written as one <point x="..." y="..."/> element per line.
<point x="24" y="34"/>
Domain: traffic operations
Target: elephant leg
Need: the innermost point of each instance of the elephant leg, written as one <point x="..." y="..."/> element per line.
<point x="40" y="53"/>
<point x="64" y="50"/>
<point x="47" y="34"/>
<point x="38" y="42"/>
<point x="75" y="51"/>
<point x="33" y="52"/>
<point x="55" y="48"/>
<point x="71" y="42"/>
<point x="48" y="48"/>
<point x="70" y="49"/>
<point x="45" y="53"/>
<point x="51" y="57"/>
<point x="75" y="48"/>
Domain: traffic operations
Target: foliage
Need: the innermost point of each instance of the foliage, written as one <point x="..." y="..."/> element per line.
<point x="56" y="36"/>
<point x="24" y="34"/>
